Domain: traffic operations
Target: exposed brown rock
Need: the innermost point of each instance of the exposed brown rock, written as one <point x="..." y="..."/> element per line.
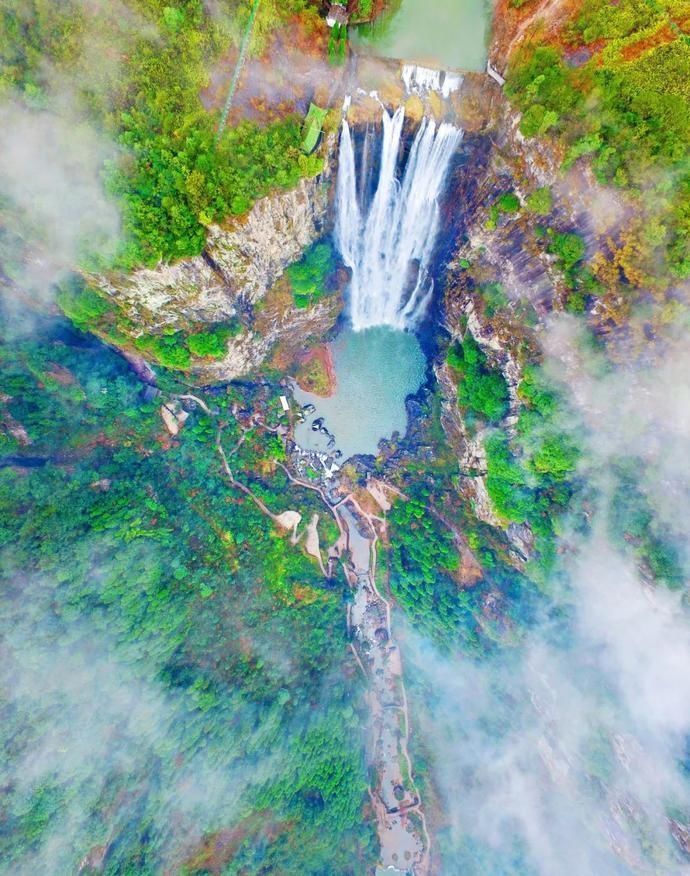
<point x="316" y="372"/>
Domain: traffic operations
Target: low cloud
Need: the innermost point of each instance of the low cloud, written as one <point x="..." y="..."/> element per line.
<point x="109" y="752"/>
<point x="564" y="755"/>
<point x="54" y="209"/>
<point x="51" y="179"/>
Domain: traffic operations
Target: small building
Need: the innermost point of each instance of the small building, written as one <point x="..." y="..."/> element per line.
<point x="337" y="14"/>
<point x="284" y="403"/>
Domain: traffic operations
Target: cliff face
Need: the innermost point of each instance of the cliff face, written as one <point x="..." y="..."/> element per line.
<point x="497" y="252"/>
<point x="236" y="276"/>
<point x="169" y="296"/>
<point x="250" y="257"/>
<point x="242" y="260"/>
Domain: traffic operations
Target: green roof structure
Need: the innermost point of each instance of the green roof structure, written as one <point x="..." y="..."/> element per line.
<point x="311" y="129"/>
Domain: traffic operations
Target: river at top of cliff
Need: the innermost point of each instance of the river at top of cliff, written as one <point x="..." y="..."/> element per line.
<point x="444" y="34"/>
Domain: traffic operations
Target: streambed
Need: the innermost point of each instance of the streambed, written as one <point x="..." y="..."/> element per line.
<point x="376" y="370"/>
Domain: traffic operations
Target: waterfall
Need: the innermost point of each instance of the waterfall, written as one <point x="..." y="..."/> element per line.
<point x="388" y="240"/>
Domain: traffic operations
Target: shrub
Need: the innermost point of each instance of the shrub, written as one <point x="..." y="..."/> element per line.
<point x="505" y="481"/>
<point x="423" y="553"/>
<point x="536" y="393"/>
<point x="556" y="456"/>
<point x="178" y="176"/>
<point x="537" y="120"/>
<point x="584" y="146"/>
<point x="308" y="276"/>
<point x="211" y="344"/>
<point x="628" y="111"/>
<point x="538" y="77"/>
<point x="508" y="203"/>
<point x="486" y="394"/>
<point x="455" y="356"/>
<point x="633" y="526"/>
<point x="540" y="202"/>
<point x="569" y="248"/>
<point x="494" y="297"/>
<point x="337" y="44"/>
<point x="168" y="350"/>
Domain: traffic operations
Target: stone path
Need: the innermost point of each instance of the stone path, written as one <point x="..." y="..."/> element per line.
<point x="401" y="825"/>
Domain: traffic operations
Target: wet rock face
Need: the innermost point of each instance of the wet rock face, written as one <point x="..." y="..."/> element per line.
<point x="242" y="260"/>
<point x="250" y="257"/>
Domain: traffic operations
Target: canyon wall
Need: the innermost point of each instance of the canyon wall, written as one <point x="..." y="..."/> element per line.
<point x="237" y="277"/>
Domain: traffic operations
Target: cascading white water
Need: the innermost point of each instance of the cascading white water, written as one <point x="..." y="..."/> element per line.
<point x="388" y="243"/>
<point x="422" y="80"/>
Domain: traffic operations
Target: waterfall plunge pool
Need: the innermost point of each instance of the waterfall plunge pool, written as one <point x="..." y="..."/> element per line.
<point x="387" y="222"/>
<point x="376" y="370"/>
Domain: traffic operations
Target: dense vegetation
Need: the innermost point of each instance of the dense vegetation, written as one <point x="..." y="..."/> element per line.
<point x="636" y="530"/>
<point x="173" y="175"/>
<point x="423" y="557"/>
<point x="533" y="480"/>
<point x="482" y="390"/>
<point x="424" y="561"/>
<point x="427" y="569"/>
<point x="309" y="276"/>
<point x="129" y="560"/>
<point x="615" y="88"/>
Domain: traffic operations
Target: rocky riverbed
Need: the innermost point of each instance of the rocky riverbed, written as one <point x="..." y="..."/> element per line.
<point x="400" y="817"/>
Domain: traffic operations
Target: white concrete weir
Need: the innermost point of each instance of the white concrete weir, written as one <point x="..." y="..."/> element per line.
<point x="422" y="80"/>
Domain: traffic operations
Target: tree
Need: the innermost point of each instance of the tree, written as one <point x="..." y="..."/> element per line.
<point x="212" y="344"/>
<point x="540" y="202"/>
<point x="568" y="247"/>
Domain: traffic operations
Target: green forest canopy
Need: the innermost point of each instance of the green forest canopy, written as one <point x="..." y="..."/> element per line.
<point x="627" y="107"/>
<point x="140" y="550"/>
<point x="171" y="180"/>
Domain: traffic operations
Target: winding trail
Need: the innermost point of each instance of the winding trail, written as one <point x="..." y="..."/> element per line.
<point x="401" y="824"/>
<point x="276" y="518"/>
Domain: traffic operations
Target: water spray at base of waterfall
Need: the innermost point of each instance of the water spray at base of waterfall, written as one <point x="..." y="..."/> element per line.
<point x="388" y="241"/>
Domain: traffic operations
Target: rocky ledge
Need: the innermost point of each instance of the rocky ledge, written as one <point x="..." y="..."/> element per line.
<point x="235" y="277"/>
<point x="243" y="258"/>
